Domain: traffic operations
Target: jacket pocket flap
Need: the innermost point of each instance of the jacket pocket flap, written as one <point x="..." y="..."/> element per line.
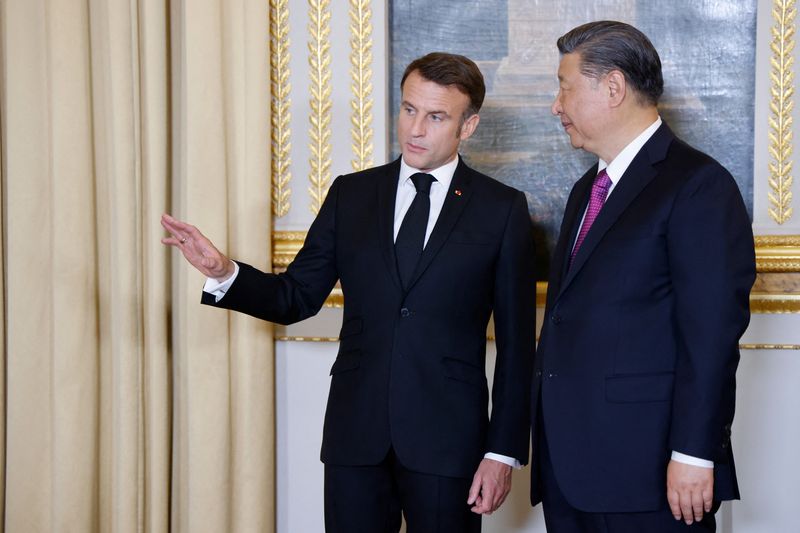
<point x="640" y="388"/>
<point x="463" y="371"/>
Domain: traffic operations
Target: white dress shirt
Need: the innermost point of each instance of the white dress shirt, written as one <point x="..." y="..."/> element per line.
<point x="406" y="191"/>
<point x="615" y="169"/>
<point x="405" y="195"/>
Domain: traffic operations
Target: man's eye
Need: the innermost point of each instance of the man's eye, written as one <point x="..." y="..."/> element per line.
<point x="436" y="118"/>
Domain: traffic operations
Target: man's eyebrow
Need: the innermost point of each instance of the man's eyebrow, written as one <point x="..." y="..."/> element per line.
<point x="406" y="103"/>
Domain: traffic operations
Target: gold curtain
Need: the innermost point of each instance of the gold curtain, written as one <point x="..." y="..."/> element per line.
<point x="127" y="405"/>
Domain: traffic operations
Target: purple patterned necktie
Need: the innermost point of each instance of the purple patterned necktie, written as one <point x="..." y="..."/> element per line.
<point x="599" y="192"/>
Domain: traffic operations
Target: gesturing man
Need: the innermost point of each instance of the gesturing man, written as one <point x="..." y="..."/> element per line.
<point x="426" y="249"/>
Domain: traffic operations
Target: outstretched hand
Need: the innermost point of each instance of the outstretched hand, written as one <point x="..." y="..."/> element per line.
<point x="196" y="248"/>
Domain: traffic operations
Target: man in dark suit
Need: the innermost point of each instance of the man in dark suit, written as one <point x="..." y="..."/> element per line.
<point x="425" y="249"/>
<point x="634" y="377"/>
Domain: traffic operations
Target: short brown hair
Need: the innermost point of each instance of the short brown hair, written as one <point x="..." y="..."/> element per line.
<point x="451" y="70"/>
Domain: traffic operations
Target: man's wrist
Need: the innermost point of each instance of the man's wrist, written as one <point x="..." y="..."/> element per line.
<point x="232" y="268"/>
<point x="217" y="288"/>
<point x="506" y="460"/>
<point x="691" y="460"/>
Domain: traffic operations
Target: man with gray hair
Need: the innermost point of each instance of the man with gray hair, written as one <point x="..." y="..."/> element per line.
<point x="634" y="377"/>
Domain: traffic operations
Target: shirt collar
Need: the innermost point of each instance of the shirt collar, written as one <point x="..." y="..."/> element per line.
<point x="443" y="174"/>
<point x="620" y="164"/>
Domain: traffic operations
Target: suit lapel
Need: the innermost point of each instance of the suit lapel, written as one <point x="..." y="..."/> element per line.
<point x="639" y="174"/>
<point x="451" y="210"/>
<point x="387" y="196"/>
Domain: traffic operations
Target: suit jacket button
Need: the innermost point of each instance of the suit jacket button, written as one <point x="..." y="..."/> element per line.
<point x="538" y="373"/>
<point x="556" y="319"/>
<point x="404" y="312"/>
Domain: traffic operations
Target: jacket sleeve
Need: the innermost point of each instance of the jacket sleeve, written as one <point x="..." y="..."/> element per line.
<point x="712" y="268"/>
<point x="299" y="292"/>
<point x="515" y="333"/>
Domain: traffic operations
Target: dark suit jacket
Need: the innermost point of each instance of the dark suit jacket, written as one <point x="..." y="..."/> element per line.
<point x="410" y="371"/>
<point x="639" y="347"/>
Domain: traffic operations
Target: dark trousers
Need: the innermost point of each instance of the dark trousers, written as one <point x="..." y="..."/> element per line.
<point x="561" y="517"/>
<point x="370" y="499"/>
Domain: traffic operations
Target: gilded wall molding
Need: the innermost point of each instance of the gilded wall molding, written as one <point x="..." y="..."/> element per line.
<point x="280" y="107"/>
<point x="772" y="304"/>
<point x="319" y="60"/>
<point x="769" y="346"/>
<point x="489" y="338"/>
<point x="285" y="245"/>
<point x="781" y="106"/>
<point x="778" y="253"/>
<point x="775" y="255"/>
<point x="361" y="85"/>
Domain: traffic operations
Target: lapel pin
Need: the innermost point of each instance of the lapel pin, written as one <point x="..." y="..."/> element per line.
<point x="458" y="192"/>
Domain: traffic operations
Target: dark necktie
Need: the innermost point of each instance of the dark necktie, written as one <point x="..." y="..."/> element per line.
<point x="411" y="237"/>
<point x="600" y="187"/>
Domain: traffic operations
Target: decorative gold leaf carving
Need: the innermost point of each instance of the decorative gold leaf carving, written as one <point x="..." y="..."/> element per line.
<point x="361" y="86"/>
<point x="281" y="106"/>
<point x="319" y="60"/>
<point x="781" y="106"/>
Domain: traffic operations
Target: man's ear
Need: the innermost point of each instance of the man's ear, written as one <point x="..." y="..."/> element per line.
<point x="469" y="126"/>
<point x="617" y="87"/>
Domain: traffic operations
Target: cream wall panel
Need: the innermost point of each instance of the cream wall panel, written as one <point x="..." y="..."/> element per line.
<point x="763" y="223"/>
<point x="300" y="215"/>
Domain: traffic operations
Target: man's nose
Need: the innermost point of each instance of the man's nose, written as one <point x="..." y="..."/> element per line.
<point x="418" y="126"/>
<point x="555" y="107"/>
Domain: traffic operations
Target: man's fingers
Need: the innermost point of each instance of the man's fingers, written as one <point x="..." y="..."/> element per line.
<point x="174" y="228"/>
<point x="686" y="508"/>
<point x="478" y="507"/>
<point x="674" y="503"/>
<point x="474" y="490"/>
<point x="708" y="499"/>
<point x="483" y="503"/>
<point x="488" y="495"/>
<point x="697" y="505"/>
<point x="481" y="495"/>
<point x="179" y="230"/>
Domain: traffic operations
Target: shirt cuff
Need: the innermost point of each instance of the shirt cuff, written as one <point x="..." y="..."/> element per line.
<point x="510" y="461"/>
<point x="689" y="460"/>
<point x="219" y="288"/>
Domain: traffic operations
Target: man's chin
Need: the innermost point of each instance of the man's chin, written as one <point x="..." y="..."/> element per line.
<point x="415" y="162"/>
<point x="575" y="142"/>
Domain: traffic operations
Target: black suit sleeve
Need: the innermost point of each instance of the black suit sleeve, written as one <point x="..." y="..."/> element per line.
<point x="299" y="292"/>
<point x="712" y="266"/>
<point x="515" y="332"/>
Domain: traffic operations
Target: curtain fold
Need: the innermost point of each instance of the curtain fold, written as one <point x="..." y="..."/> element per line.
<point x="128" y="406"/>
